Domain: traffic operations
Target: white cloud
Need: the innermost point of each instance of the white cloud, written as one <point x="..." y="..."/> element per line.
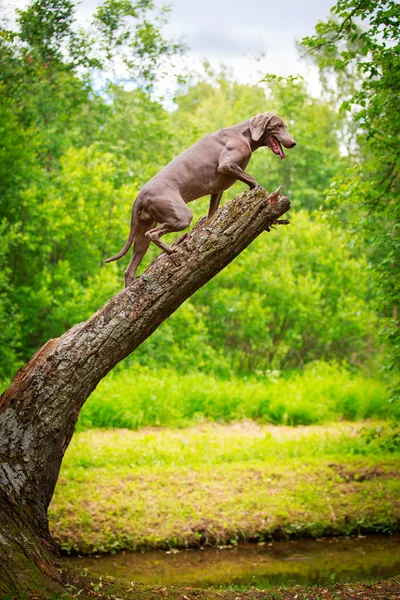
<point x="233" y="32"/>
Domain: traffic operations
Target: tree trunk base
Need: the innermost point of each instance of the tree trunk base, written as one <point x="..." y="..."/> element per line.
<point x="28" y="560"/>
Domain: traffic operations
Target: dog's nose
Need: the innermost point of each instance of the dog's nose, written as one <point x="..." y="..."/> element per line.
<point x="293" y="144"/>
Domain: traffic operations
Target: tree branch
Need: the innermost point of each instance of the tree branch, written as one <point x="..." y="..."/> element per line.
<point x="339" y="31"/>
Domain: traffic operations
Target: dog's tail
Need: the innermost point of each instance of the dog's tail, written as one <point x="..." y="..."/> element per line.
<point x="131" y="237"/>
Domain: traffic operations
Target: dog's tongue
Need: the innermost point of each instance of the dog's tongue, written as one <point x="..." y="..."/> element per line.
<point x="281" y="152"/>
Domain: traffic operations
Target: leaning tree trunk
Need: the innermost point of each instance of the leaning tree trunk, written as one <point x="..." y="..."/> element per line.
<point x="38" y="412"/>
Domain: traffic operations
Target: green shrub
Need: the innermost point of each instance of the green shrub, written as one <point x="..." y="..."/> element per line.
<point x="140" y="397"/>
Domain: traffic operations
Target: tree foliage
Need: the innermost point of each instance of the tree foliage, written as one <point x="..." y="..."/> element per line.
<point x="66" y="183"/>
<point x="298" y="295"/>
<point x="360" y="43"/>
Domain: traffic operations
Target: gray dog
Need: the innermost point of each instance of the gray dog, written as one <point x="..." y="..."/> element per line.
<point x="210" y="166"/>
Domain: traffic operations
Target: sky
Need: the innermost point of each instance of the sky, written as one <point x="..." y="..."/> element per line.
<point x="237" y="32"/>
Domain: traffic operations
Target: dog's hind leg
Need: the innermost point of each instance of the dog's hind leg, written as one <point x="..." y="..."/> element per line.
<point x="140" y="247"/>
<point x="179" y="220"/>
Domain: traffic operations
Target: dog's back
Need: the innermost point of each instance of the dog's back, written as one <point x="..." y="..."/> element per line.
<point x="194" y="172"/>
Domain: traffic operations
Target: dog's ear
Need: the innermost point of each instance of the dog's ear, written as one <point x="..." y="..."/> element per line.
<point x="259" y="123"/>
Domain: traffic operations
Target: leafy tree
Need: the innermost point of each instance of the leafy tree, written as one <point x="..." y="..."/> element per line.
<point x="297" y="295"/>
<point x="67" y="181"/>
<point x="138" y="129"/>
<point x="141" y="48"/>
<point x="361" y="38"/>
<point x="10" y="318"/>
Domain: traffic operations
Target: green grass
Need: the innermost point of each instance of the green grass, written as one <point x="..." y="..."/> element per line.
<point x="140" y="397"/>
<point x="161" y="488"/>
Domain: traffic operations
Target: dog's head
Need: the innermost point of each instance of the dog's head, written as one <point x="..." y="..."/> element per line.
<point x="270" y="130"/>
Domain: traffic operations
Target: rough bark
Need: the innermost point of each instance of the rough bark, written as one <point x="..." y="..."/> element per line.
<point x="38" y="412"/>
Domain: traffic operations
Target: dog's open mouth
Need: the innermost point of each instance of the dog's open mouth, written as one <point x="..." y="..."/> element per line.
<point x="276" y="146"/>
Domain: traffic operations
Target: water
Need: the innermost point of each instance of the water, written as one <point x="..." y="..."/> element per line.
<point x="291" y="562"/>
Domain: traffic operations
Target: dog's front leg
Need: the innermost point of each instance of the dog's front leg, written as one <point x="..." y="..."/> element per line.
<point x="214" y="203"/>
<point x="235" y="171"/>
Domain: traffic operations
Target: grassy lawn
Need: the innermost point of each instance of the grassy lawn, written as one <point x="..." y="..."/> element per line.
<point x="213" y="484"/>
